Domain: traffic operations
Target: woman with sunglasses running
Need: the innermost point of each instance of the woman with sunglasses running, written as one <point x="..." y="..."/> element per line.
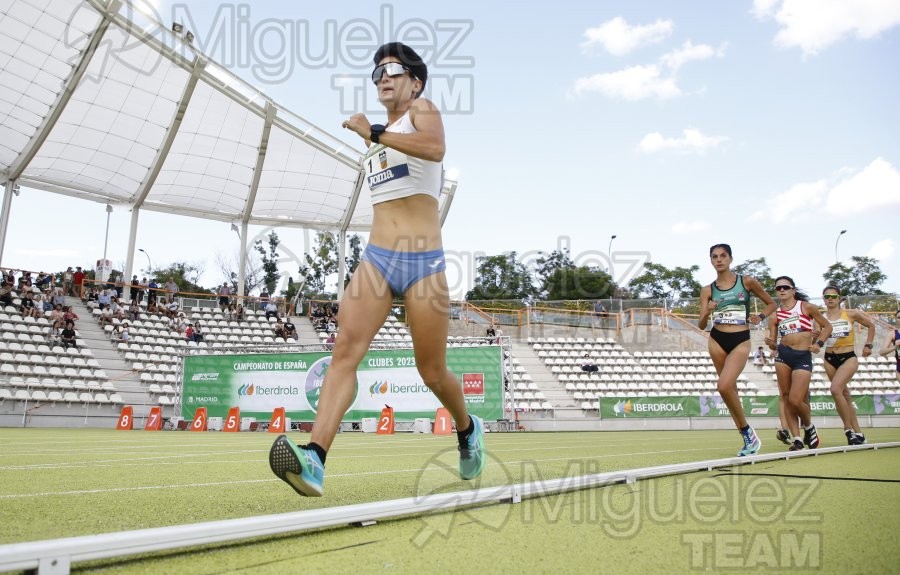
<point x="404" y="258"/>
<point x="840" y="358"/>
<point x="728" y="301"/>
<point x="793" y="363"/>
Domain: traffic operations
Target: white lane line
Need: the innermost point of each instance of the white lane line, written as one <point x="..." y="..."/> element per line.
<point x="330" y="476"/>
<point x="131" y="462"/>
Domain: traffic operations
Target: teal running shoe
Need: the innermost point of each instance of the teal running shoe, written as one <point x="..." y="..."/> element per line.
<point x="752" y="443"/>
<point x="472" y="455"/>
<point x="297" y="466"/>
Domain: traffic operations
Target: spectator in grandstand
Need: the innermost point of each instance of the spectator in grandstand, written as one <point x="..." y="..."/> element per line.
<point x="290" y="330"/>
<point x="893" y="343"/>
<point x="793" y="362"/>
<point x="57" y="317"/>
<point x="103" y="299"/>
<point x="263" y="299"/>
<point x="67" y="337"/>
<point x="46" y="301"/>
<point x="840" y="357"/>
<point x="198" y="331"/>
<point x="68" y="280"/>
<point x="727" y="300"/>
<point x="27" y="306"/>
<point x="106" y="316"/>
<point x="759" y="358"/>
<point x="278" y="329"/>
<point x="152" y="307"/>
<point x="6" y="289"/>
<point x="137" y="290"/>
<point x="134" y="311"/>
<point x="59" y="297"/>
<point x="224" y="296"/>
<point x="490" y="332"/>
<point x="588" y="365"/>
<point x="599" y="313"/>
<point x="44" y="281"/>
<point x="271" y="310"/>
<point x="179" y="323"/>
<point x="238" y="313"/>
<point x="171" y="290"/>
<point x="152" y="293"/>
<point x="171" y="310"/>
<point x="125" y="333"/>
<point x="331" y="326"/>
<point x="69" y="314"/>
<point x="404" y="258"/>
<point x="78" y="282"/>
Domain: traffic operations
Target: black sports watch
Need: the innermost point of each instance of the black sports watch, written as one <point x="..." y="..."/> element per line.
<point x="820" y="343"/>
<point x="868" y="345"/>
<point x="377" y="130"/>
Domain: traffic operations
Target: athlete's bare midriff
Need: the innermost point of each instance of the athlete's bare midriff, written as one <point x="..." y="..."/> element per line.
<point x="410" y="224"/>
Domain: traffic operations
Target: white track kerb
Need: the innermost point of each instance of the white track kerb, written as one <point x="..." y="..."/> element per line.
<point x="56" y="556"/>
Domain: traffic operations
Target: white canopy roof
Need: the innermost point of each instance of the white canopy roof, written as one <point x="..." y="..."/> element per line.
<point x="101" y="102"/>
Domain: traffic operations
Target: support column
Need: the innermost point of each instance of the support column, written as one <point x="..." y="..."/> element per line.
<point x="342" y="262"/>
<point x="4" y="214"/>
<point x="242" y="270"/>
<point x="132" y="247"/>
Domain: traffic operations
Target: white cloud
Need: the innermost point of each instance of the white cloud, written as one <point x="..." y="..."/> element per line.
<point x="635" y="83"/>
<point x="690" y="227"/>
<point x="813" y="25"/>
<point x="882" y="250"/>
<point x="690" y="52"/>
<point x="692" y="142"/>
<point x="56" y="253"/>
<point x="618" y="37"/>
<point x="790" y="205"/>
<point x="874" y="187"/>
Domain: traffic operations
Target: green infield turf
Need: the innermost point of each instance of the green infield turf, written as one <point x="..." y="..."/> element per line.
<point x="839" y="515"/>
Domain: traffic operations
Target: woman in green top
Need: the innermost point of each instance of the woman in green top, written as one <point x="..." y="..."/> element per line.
<point x="727" y="300"/>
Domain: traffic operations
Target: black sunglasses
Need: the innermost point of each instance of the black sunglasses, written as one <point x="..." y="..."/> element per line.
<point x="391" y="69"/>
<point x="783" y="288"/>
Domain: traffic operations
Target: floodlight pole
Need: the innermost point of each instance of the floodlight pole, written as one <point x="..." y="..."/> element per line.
<point x="103" y="276"/>
<point x="836" y="260"/>
<point x="149" y="263"/>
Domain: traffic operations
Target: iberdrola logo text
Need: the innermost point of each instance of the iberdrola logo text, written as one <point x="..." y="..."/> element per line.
<point x="251" y="389"/>
<point x="385" y="387"/>
<point x="626" y="407"/>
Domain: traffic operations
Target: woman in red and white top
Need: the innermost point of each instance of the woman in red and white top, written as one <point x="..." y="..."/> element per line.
<point x="793" y="363"/>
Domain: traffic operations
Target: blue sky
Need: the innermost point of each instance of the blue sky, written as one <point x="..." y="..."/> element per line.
<point x="770" y="125"/>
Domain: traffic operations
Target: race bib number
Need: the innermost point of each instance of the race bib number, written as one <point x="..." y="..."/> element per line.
<point x="384" y="165"/>
<point x="731" y="315"/>
<point x="789" y="325"/>
<point x="839" y="329"/>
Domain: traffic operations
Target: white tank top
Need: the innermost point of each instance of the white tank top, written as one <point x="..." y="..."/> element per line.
<point x="391" y="175"/>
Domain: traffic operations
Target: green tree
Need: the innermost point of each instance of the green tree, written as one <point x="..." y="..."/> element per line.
<point x="660" y="282"/>
<point x="585" y="282"/>
<point x="758" y="269"/>
<point x="319" y="265"/>
<point x="185" y="275"/>
<point x="501" y="277"/>
<point x="551" y="266"/>
<point x="355" y="254"/>
<point x="862" y="278"/>
<point x="269" y="261"/>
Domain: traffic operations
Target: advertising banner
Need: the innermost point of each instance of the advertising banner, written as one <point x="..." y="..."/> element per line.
<point x="756" y="406"/>
<point x="686" y="406"/>
<point x="259" y="383"/>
